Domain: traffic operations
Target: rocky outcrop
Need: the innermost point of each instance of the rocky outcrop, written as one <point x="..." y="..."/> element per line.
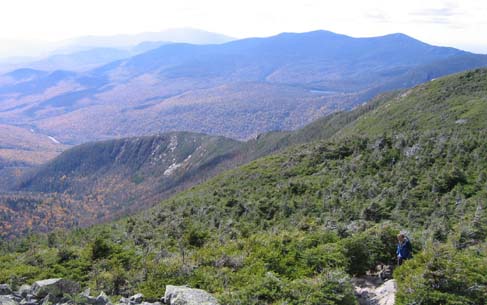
<point x="54" y="287"/>
<point x="65" y="292"/>
<point x="102" y="299"/>
<point x="25" y="290"/>
<point x="182" y="295"/>
<point x="50" y="291"/>
<point x="135" y="299"/>
<point x="5" y="289"/>
<point x="7" y="300"/>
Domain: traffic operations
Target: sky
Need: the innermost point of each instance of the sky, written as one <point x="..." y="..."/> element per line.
<point x="458" y="23"/>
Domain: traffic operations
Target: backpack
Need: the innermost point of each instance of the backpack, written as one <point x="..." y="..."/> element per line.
<point x="409" y="247"/>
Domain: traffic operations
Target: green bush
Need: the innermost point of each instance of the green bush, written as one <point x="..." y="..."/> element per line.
<point x="366" y="250"/>
<point x="100" y="249"/>
<point x="328" y="288"/>
<point x="443" y="275"/>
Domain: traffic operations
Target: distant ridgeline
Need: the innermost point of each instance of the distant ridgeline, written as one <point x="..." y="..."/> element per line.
<point x="293" y="227"/>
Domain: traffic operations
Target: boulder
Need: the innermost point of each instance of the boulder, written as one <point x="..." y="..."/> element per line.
<point x="5" y="289"/>
<point x="136" y="299"/>
<point x="102" y="299"/>
<point x="372" y="290"/>
<point x="49" y="300"/>
<point x="85" y="297"/>
<point x="386" y="293"/>
<point x="181" y="295"/>
<point x="6" y="300"/>
<point x="54" y="287"/>
<point x="25" y="290"/>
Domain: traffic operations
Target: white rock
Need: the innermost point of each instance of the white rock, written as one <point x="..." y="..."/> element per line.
<point x="181" y="295"/>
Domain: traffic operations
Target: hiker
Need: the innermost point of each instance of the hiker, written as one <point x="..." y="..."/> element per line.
<point x="404" y="249"/>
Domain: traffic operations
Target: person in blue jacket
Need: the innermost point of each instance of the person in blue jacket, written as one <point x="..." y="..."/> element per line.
<point x="404" y="249"/>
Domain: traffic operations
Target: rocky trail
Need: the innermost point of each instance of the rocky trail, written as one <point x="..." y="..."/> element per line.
<point x="369" y="290"/>
<point x="66" y="292"/>
<point x="373" y="290"/>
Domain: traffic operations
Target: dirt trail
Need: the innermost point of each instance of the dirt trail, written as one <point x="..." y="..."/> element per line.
<point x="371" y="290"/>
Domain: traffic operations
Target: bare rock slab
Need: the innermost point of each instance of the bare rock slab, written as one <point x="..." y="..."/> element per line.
<point x="54" y="287"/>
<point x="181" y="295"/>
<point x="6" y="300"/>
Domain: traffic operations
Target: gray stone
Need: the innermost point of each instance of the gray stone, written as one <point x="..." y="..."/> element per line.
<point x="137" y="298"/>
<point x="55" y="300"/>
<point x="25" y="290"/>
<point x="102" y="299"/>
<point x="85" y="297"/>
<point x="5" y="289"/>
<point x="7" y="300"/>
<point x="49" y="300"/>
<point x="412" y="151"/>
<point x="54" y="287"/>
<point x="86" y="292"/>
<point x="181" y="295"/>
<point x="379" y="143"/>
<point x="371" y="290"/>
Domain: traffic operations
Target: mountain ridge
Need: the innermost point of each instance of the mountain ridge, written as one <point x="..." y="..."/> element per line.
<point x="64" y="54"/>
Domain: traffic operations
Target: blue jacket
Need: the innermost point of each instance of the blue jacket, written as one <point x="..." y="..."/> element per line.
<point x="405" y="249"/>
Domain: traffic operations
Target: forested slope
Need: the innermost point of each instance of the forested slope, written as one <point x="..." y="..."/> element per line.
<point x="291" y="228"/>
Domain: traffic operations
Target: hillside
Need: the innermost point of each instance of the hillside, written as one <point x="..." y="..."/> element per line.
<point x="293" y="227"/>
<point x="100" y="181"/>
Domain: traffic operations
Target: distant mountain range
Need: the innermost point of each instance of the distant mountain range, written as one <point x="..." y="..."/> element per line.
<point x="176" y="35"/>
<point x="84" y="53"/>
<point x="237" y="89"/>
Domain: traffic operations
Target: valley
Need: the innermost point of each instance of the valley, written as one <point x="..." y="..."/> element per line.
<point x="96" y="182"/>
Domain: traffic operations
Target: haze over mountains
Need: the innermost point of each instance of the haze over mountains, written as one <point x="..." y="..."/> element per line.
<point x="84" y="53"/>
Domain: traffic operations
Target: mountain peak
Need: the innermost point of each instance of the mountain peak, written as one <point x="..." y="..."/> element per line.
<point x="317" y="34"/>
<point x="24" y="73"/>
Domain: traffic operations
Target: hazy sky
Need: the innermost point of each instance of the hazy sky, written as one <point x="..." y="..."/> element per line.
<point x="458" y="23"/>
